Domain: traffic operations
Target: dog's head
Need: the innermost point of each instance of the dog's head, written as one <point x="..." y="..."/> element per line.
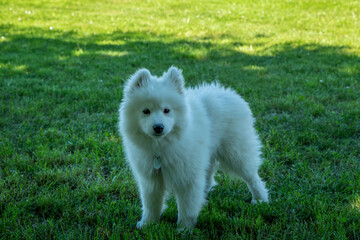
<point x="154" y="104"/>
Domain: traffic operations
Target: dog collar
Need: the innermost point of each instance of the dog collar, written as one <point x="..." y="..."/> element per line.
<point x="157" y="163"/>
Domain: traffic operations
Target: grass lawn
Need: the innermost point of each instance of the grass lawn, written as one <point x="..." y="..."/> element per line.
<point x="62" y="67"/>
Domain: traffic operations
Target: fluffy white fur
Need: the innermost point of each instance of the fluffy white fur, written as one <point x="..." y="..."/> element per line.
<point x="175" y="138"/>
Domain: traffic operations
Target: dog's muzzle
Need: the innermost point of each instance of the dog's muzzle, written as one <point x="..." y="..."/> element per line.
<point x="158" y="128"/>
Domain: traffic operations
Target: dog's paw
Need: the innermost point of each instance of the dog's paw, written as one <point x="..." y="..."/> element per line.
<point x="184" y="231"/>
<point x="257" y="201"/>
<point x="140" y="224"/>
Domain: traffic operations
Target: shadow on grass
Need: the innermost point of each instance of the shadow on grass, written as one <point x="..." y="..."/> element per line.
<point x="51" y="76"/>
<point x="117" y="55"/>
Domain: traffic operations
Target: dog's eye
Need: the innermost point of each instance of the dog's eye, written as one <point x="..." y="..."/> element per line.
<point x="166" y="110"/>
<point x="146" y="111"/>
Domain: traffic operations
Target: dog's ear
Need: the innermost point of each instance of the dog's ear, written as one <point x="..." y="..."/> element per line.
<point x="174" y="75"/>
<point x="140" y="78"/>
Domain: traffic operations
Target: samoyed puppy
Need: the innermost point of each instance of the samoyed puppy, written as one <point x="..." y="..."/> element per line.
<point x="175" y="138"/>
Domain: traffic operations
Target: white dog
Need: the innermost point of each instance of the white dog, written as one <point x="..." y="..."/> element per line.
<point x="175" y="138"/>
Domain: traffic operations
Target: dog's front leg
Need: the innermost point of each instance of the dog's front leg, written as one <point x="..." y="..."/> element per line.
<point x="152" y="197"/>
<point x="189" y="204"/>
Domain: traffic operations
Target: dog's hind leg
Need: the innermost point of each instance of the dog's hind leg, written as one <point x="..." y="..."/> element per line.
<point x="254" y="182"/>
<point x="210" y="181"/>
<point x="245" y="164"/>
<point x="256" y="186"/>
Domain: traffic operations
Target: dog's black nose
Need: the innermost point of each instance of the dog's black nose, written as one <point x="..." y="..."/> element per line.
<point x="158" y="128"/>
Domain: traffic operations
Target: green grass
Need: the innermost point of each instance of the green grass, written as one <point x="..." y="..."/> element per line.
<point x="62" y="68"/>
